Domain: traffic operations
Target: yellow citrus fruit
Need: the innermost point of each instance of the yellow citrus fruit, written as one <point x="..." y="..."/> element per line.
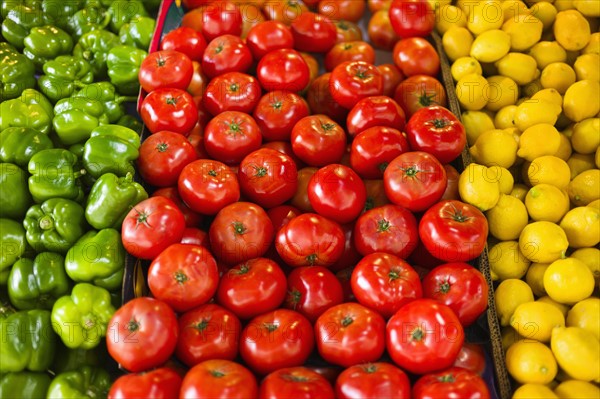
<point x="507" y="261"/>
<point x="520" y="67"/>
<point x="457" y="42"/>
<point x="475" y="123"/>
<point x="597" y="158"/>
<point x="579" y="163"/>
<point x="530" y="88"/>
<point x="568" y="281"/>
<point x="562" y="5"/>
<point x="586" y="314"/>
<point x="549" y="169"/>
<point x="524" y="30"/>
<point x="571" y="30"/>
<point x="593" y="47"/>
<point x="582" y="226"/>
<point x="490" y="46"/>
<point x="591" y="258"/>
<point x="543" y="242"/>
<point x="584" y="188"/>
<point x="465" y="66"/>
<point x="519" y="191"/>
<point x="509" y="294"/>
<point x="551" y="95"/>
<point x="585" y="138"/>
<point x="589" y="8"/>
<point x="534" y="111"/>
<point x="495" y="147"/>
<point x="595" y="204"/>
<point x="507" y="219"/>
<point x="582" y="100"/>
<point x="448" y="16"/>
<point x="534" y="391"/>
<point x="529" y="361"/>
<point x="573" y="389"/>
<point x="506" y="180"/>
<point x="576" y="351"/>
<point x="512" y="8"/>
<point x="502" y="91"/>
<point x="564" y="150"/>
<point x="538" y="140"/>
<point x="471" y="91"/>
<point x="587" y="67"/>
<point x="560" y="306"/>
<point x="547" y="52"/>
<point x="485" y="15"/>
<point x="505" y="117"/>
<point x="545" y="202"/>
<point x="477" y="187"/>
<point x="535" y="278"/>
<point x="559" y="76"/>
<point x="535" y="320"/>
<point x="545" y="12"/>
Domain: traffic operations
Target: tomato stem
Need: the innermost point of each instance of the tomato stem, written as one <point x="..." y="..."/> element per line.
<point x="394" y="274"/>
<point x="444" y="287"/>
<point x="217" y="373"/>
<point x="162" y="147"/>
<point x="234" y="87"/>
<point x="142" y="218"/>
<point x="133" y="325"/>
<point x="347" y="320"/>
<point x="446" y="378"/>
<point x="311" y="259"/>
<point x="212" y="173"/>
<point x="294" y="297"/>
<point x="426" y="100"/>
<point x="369" y="204"/>
<point x="270" y="326"/>
<point x="383" y="166"/>
<point x="260" y="171"/>
<point x="417" y="334"/>
<point x="180" y="277"/>
<point x="383" y="226"/>
<point x="370" y="368"/>
<point x="239" y="228"/>
<point x="440" y="123"/>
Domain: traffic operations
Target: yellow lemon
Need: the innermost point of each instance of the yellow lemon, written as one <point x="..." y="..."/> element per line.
<point x="508" y="218"/>
<point x="559" y="76"/>
<point x="585" y="187"/>
<point x="465" y="66"/>
<point x="562" y="5"/>
<point x="490" y="46"/>
<point x="534" y="111"/>
<point x="519" y="191"/>
<point x="560" y="306"/>
<point x="564" y="150"/>
<point x="573" y="389"/>
<point x="597" y="158"/>
<point x="509" y="294"/>
<point x="448" y="16"/>
<point x="593" y="47"/>
<point x="457" y="42"/>
<point x="576" y="351"/>
<point x="587" y="66"/>
<point x="534" y="391"/>
<point x="535" y="320"/>
<point x="589" y="8"/>
<point x="471" y="91"/>
<point x="568" y="281"/>
<point x="579" y="163"/>
<point x="505" y="116"/>
<point x="545" y="202"/>
<point x="591" y="257"/>
<point x="585" y="138"/>
<point x="545" y="12"/>
<point x="520" y="67"/>
<point x="512" y="8"/>
<point x="535" y="278"/>
<point x="477" y="187"/>
<point x="529" y="361"/>
<point x="507" y="261"/>
<point x="502" y="91"/>
<point x="571" y="30"/>
<point x="586" y="314"/>
<point x="547" y="52"/>
<point x="549" y="169"/>
<point x="543" y="242"/>
<point x="582" y="100"/>
<point x="524" y="30"/>
<point x="506" y="180"/>
<point x="538" y="140"/>
<point x="530" y="89"/>
<point x="582" y="226"/>
<point x="495" y="147"/>
<point x="595" y="204"/>
<point x="550" y="95"/>
<point x="485" y="15"/>
<point x="475" y="123"/>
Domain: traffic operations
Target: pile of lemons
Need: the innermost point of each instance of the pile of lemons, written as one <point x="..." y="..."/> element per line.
<point x="527" y="79"/>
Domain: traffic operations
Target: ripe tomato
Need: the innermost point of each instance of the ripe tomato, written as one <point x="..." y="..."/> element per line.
<point x="391" y="78"/>
<point x="424" y="336"/>
<point x="438" y="131"/>
<point x="374" y="148"/>
<point x="314" y="68"/>
<point x="349" y="334"/>
<point x="224" y="54"/>
<point x="373" y="380"/>
<point x="219" y="378"/>
<point x="268" y="36"/>
<point x="350" y="256"/>
<point x="198" y="83"/>
<point x="318" y="140"/>
<point x="169" y="109"/>
<point x="320" y="100"/>
<point x="352" y="81"/>
<point x="282" y="214"/>
<point x="284" y="147"/>
<point x="192" y="218"/>
<point x="300" y="198"/>
<point x="349" y="51"/>
<point x="220" y="18"/>
<point x="252" y="15"/>
<point x="142" y="334"/>
<point x="451" y="192"/>
<point x="349" y="10"/>
<point x="380" y="31"/>
<point x="453" y="231"/>
<point x="151" y="226"/>
<point x="165" y="69"/>
<point x="412" y="18"/>
<point x="297" y="383"/>
<point x="337" y="193"/>
<point x="376" y="5"/>
<point x="313" y="32"/>
<point x="471" y="357"/>
<point x="415" y="180"/>
<point x="347" y="31"/>
<point x="384" y="283"/>
<point x="193" y="235"/>
<point x="161" y="383"/>
<point x="232" y="91"/>
<point x="185" y="40"/>
<point x="230" y="136"/>
<point x="416" y="56"/>
<point x="419" y="91"/>
<point x="277" y="112"/>
<point x="454" y="382"/>
<point x="285" y="11"/>
<point x="375" y="111"/>
<point x="283" y="69"/>
<point x="310" y="240"/>
<point x="277" y="339"/>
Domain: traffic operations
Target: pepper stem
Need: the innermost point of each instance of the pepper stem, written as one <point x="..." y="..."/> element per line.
<point x="46" y="222"/>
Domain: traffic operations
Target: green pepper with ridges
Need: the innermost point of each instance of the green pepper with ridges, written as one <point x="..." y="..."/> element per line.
<point x="19" y="20"/>
<point x="106" y="93"/>
<point x="86" y="382"/>
<point x="63" y="75"/>
<point x="53" y="175"/>
<point x="45" y="43"/>
<point x="60" y="12"/>
<point x="111" y="149"/>
<point x="13" y="245"/>
<point x="15" y="199"/>
<point x="24" y="385"/>
<point x="88" y="19"/>
<point x="123" y="68"/>
<point x="31" y="109"/>
<point x="138" y="32"/>
<point x="76" y="117"/>
<point x="19" y="144"/>
<point x="93" y="47"/>
<point x="17" y="73"/>
<point x="123" y="11"/>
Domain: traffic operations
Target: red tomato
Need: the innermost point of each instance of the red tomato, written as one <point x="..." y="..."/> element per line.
<point x="192" y="218"/>
<point x="230" y="136"/>
<point x="416" y="56"/>
<point x="374" y="148"/>
<point x="183" y="276"/>
<point x="277" y="112"/>
<point x="347" y="31"/>
<point x="380" y="31"/>
<point x="376" y="5"/>
<point x="284" y="147"/>
<point x="218" y="378"/>
<point x="350" y="256"/>
<point x="415" y="180"/>
<point x="424" y="336"/>
<point x="297" y="383"/>
<point x="268" y="36"/>
<point x="232" y="91"/>
<point x="220" y="18"/>
<point x="193" y="235"/>
<point x="224" y="54"/>
<point x="252" y="15"/>
<point x="350" y="10"/>
<point x="166" y="69"/>
<point x="161" y="383"/>
<point x="352" y="81"/>
<point x="169" y="109"/>
<point x="349" y="334"/>
<point x="283" y="69"/>
<point x="198" y="83"/>
<point x="375" y="111"/>
<point x="277" y="339"/>
<point x="349" y="51"/>
<point x="300" y="198"/>
<point x="454" y="382"/>
<point x="318" y="140"/>
<point x="185" y="40"/>
<point x="373" y="380"/>
<point x="311" y="290"/>
<point x="142" y="334"/>
<point x="412" y="18"/>
<point x="453" y="231"/>
<point x="384" y="283"/>
<point x="321" y="101"/>
<point x="451" y="192"/>
<point x="163" y="156"/>
<point x="151" y="226"/>
<point x="310" y="240"/>
<point x="282" y="214"/>
<point x="471" y="357"/>
<point x="285" y="11"/>
<point x="391" y="78"/>
<point x="438" y="131"/>
<point x="419" y="91"/>
<point x="313" y="32"/>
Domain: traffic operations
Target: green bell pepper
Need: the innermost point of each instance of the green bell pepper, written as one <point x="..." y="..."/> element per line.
<point x="17" y="73"/>
<point x="24" y="385"/>
<point x="88" y="19"/>
<point x="111" y="149"/>
<point x="13" y="245"/>
<point x="45" y="43"/>
<point x="7" y="5"/>
<point x="19" y="144"/>
<point x="111" y="198"/>
<point x="94" y="47"/>
<point x="138" y="32"/>
<point x="38" y="283"/>
<point x="123" y="11"/>
<point x="55" y="225"/>
<point x="27" y="341"/>
<point x="87" y="382"/>
<point x="123" y="68"/>
<point x="31" y="109"/>
<point x="7" y="48"/>
<point x="81" y="319"/>
<point x="76" y="117"/>
<point x="60" y="12"/>
<point x="67" y="359"/>
<point x="63" y="75"/>
<point x="131" y="122"/>
<point x="106" y="93"/>
<point x="54" y="175"/>
<point x="98" y="258"/>
<point x="15" y="197"/>
<point x="19" y="20"/>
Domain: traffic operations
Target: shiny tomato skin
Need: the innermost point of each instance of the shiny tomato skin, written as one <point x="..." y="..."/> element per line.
<point x="165" y="69"/>
<point x="277" y="112"/>
<point x="320" y="100"/>
<point x="161" y="383"/>
<point x="220" y="18"/>
<point x="169" y="109"/>
<point x="373" y="380"/>
<point x="185" y="40"/>
<point x="297" y="383"/>
<point x="451" y="192"/>
<point x="284" y="147"/>
<point x="349" y="10"/>
<point x="318" y="140"/>
<point x="195" y="236"/>
<point x="142" y="334"/>
<point x="277" y="339"/>
<point x="230" y="136"/>
<point x="416" y="56"/>
<point x="268" y="36"/>
<point x="415" y="180"/>
<point x="300" y="198"/>
<point x="283" y="69"/>
<point x="419" y="91"/>
<point x="384" y="283"/>
<point x="285" y="11"/>
<point x="380" y="31"/>
<point x="352" y="81"/>
<point x="347" y="31"/>
<point x="471" y="357"/>
<point x="453" y="231"/>
<point x="313" y="32"/>
<point x="350" y="256"/>
<point x="350" y="334"/>
<point x="454" y="382"/>
<point x="374" y="148"/>
<point x="412" y="18"/>
<point x="375" y="194"/>
<point x="349" y="51"/>
<point x="391" y="78"/>
<point x="192" y="219"/>
<point x="232" y="91"/>
<point x="375" y="111"/>
<point x="224" y="54"/>
<point x="282" y="214"/>
<point x="219" y="378"/>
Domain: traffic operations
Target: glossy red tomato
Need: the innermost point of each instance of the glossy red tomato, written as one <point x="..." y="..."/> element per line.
<point x="206" y="186"/>
<point x="285" y="11"/>
<point x="375" y="194"/>
<point x="310" y="240"/>
<point x="321" y="101"/>
<point x="350" y="256"/>
<point x="374" y="148"/>
<point x="151" y="226"/>
<point x="232" y="91"/>
<point x="252" y="15"/>
<point x="169" y="109"/>
<point x="373" y="380"/>
<point x="349" y="51"/>
<point x="142" y="334"/>
<point x="416" y="56"/>
<point x="161" y="383"/>
<point x="424" y="336"/>
<point x="268" y="36"/>
<point x="166" y="69"/>
<point x="297" y="383"/>
<point x="230" y="136"/>
<point x="415" y="180"/>
<point x="193" y="235"/>
<point x="219" y="378"/>
<point x="352" y="81"/>
<point x="412" y="18"/>
<point x="375" y="111"/>
<point x="276" y="339"/>
<point x="283" y="69"/>
<point x="220" y="18"/>
<point x="318" y="140"/>
<point x="284" y="147"/>
<point x="313" y="32"/>
<point x="453" y="231"/>
<point x="282" y="214"/>
<point x="277" y="112"/>
<point x="300" y="198"/>
<point x="380" y="31"/>
<point x="471" y="357"/>
<point x="192" y="218"/>
<point x="347" y="31"/>
<point x="454" y="382"/>
<point x="185" y="40"/>
<point x="337" y="193"/>
<point x="224" y="54"/>
<point x="451" y="192"/>
<point x="391" y="78"/>
<point x="376" y="5"/>
<point x="349" y="334"/>
<point x="419" y="91"/>
<point x="349" y="10"/>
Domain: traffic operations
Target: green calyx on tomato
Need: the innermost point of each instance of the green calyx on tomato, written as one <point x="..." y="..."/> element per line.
<point x="217" y="373"/>
<point x="446" y="378"/>
<point x="383" y="166"/>
<point x="457" y="215"/>
<point x="444" y="287"/>
<point x="239" y="228"/>
<point x="181" y="277"/>
<point x="270" y="327"/>
<point x="426" y="100"/>
<point x="417" y="334"/>
<point x="383" y="225"/>
<point x="440" y="123"/>
<point x="312" y="259"/>
<point x="347" y="320"/>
